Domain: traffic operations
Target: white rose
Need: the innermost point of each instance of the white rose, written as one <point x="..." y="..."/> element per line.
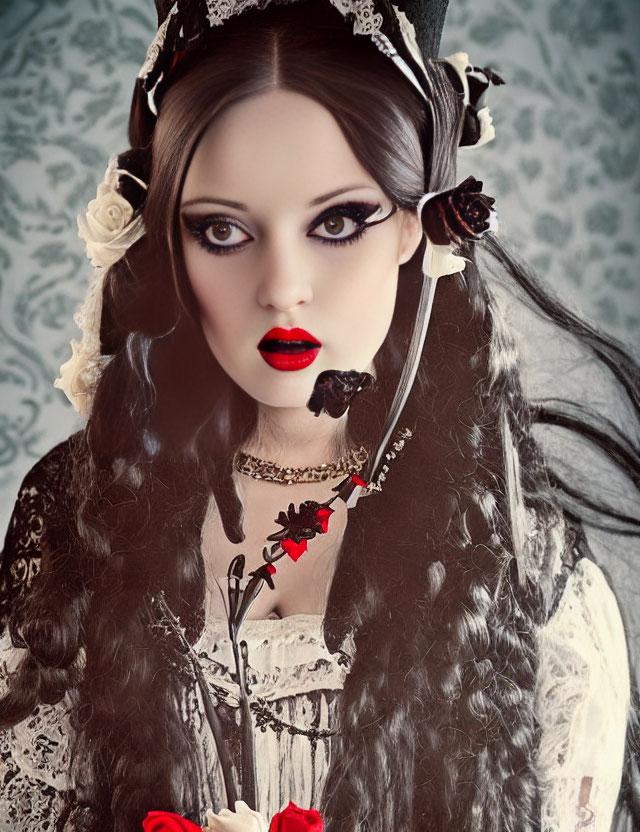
<point x="243" y="819"/>
<point x="107" y="227"/>
<point x="79" y="377"/>
<point x="72" y="381"/>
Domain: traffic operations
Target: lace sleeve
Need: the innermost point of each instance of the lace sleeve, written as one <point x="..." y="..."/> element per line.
<point x="38" y="499"/>
<point x="34" y="754"/>
<point x="583" y="705"/>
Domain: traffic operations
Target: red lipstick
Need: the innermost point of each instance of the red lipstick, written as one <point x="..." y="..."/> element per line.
<point x="289" y="349"/>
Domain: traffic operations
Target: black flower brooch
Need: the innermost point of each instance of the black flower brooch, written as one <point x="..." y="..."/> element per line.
<point x="334" y="391"/>
<point x="300" y="526"/>
<point x="461" y="213"/>
<point x="472" y="83"/>
<point x="449" y="218"/>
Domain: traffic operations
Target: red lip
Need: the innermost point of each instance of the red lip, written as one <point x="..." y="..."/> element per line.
<point x="295" y="334"/>
<point x="289" y="349"/>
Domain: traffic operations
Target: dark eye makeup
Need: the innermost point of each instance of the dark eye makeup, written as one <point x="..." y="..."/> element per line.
<point x="357" y="212"/>
<point x="331" y="220"/>
<point x="198" y="226"/>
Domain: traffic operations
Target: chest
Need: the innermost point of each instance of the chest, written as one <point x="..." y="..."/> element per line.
<point x="301" y="587"/>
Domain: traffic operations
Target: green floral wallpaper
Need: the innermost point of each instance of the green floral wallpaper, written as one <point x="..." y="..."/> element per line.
<point x="66" y="74"/>
<point x="565" y="168"/>
<point x="566" y="165"/>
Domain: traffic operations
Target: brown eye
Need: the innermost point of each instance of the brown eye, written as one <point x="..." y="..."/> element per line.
<point x="220" y="231"/>
<point x="218" y="235"/>
<point x="334" y="225"/>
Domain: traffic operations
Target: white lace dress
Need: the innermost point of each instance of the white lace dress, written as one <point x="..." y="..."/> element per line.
<point x="295" y="681"/>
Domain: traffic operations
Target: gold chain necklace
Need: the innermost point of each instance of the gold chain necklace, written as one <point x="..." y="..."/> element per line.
<point x="261" y="469"/>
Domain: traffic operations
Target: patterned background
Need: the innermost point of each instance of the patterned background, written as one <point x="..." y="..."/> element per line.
<point x="565" y="169"/>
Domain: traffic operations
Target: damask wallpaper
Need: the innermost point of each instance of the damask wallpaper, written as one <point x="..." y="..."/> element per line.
<point x="565" y="169"/>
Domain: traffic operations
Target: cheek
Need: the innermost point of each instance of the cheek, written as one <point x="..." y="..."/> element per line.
<point x="218" y="298"/>
<point x="364" y="306"/>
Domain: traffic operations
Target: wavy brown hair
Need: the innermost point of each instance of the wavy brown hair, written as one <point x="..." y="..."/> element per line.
<point x="437" y="714"/>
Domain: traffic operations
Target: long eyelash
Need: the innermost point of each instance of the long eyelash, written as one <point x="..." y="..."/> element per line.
<point x="198" y="228"/>
<point x="359" y="212"/>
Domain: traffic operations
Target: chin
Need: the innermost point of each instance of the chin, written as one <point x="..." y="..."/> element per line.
<point x="287" y="390"/>
<point x="284" y="402"/>
<point x="290" y="394"/>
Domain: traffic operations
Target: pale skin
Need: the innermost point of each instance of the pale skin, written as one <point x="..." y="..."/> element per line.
<point x="260" y="184"/>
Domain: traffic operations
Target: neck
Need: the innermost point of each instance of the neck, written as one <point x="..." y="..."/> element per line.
<point x="294" y="437"/>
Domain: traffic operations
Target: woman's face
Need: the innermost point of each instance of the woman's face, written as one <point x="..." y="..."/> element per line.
<point x="288" y="281"/>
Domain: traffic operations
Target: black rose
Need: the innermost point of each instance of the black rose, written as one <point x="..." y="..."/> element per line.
<point x="462" y="213"/>
<point x="300" y="524"/>
<point x="335" y="389"/>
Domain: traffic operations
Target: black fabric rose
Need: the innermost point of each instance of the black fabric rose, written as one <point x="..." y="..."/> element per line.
<point x="462" y="213"/>
<point x="473" y="87"/>
<point x="301" y="524"/>
<point x="335" y="389"/>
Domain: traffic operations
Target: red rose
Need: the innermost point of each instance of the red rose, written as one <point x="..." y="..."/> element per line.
<point x="295" y="819"/>
<point x="168" y="822"/>
<point x="293" y="549"/>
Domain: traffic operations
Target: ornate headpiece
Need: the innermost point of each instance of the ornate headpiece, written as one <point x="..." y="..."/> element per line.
<point x="111" y="224"/>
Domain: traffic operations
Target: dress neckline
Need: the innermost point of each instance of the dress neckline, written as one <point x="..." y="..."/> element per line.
<point x="221" y="581"/>
<point x="252" y="627"/>
<point x="300" y="616"/>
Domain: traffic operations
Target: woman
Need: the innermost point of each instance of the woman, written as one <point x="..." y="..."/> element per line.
<point x="407" y="672"/>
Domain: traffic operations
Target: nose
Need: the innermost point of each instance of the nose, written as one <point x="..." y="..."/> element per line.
<point x="285" y="280"/>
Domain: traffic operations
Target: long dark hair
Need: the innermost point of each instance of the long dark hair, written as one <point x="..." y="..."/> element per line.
<point x="437" y="724"/>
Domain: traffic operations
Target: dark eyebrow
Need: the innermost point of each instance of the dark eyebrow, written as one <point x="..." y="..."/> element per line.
<point x="240" y="206"/>
<point x="326" y="197"/>
<point x="228" y="202"/>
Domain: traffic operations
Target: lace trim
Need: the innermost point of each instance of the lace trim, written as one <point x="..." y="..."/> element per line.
<point x="266" y="718"/>
<point x="155" y="47"/>
<point x="366" y="20"/>
<point x="287" y="657"/>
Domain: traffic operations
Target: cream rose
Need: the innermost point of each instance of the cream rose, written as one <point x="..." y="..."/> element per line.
<point x="79" y="377"/>
<point x="107" y="228"/>
<point x="72" y="380"/>
<point x="243" y="819"/>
